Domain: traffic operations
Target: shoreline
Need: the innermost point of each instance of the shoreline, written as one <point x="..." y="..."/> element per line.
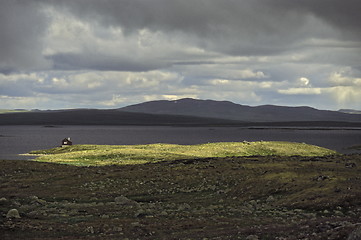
<point x="16" y="139"/>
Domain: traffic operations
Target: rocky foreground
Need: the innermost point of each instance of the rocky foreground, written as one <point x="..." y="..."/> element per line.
<point x="214" y="198"/>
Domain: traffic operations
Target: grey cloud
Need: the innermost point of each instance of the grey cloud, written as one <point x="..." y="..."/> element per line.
<point x="14" y="90"/>
<point x="344" y="15"/>
<point x="234" y="27"/>
<point x="248" y="27"/>
<point x="284" y="39"/>
<point x="16" y="85"/>
<point x="22" y="26"/>
<point x="84" y="61"/>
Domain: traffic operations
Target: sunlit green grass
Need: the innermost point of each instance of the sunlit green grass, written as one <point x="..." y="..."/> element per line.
<point x="12" y="111"/>
<point x="89" y="155"/>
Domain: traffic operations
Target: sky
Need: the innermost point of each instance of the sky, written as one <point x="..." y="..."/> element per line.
<point x="57" y="54"/>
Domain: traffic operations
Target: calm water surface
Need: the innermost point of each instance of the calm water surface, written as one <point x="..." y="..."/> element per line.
<point x="15" y="140"/>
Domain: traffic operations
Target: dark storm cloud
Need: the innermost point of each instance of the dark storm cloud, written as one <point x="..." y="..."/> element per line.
<point x="22" y="26"/>
<point x="247" y="27"/>
<point x="234" y="27"/>
<point x="344" y="15"/>
<point x="89" y="61"/>
<point x="248" y="51"/>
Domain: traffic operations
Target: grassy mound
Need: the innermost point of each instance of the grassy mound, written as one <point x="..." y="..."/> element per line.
<point x="94" y="155"/>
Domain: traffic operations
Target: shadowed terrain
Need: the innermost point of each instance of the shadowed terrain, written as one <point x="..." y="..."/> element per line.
<point x="187" y="112"/>
<point x="232" y="111"/>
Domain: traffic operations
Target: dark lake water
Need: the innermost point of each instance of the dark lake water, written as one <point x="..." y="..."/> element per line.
<point x="15" y="140"/>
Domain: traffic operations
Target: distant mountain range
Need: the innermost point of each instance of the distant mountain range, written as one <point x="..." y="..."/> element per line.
<point x="232" y="111"/>
<point x="103" y="117"/>
<point x="350" y="111"/>
<point x="187" y="112"/>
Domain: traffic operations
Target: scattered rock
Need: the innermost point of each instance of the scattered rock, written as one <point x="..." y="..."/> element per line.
<point x="321" y="178"/>
<point x="117" y="229"/>
<point x="252" y="237"/>
<point x="355" y="235"/>
<point x="351" y="213"/>
<point x="137" y="224"/>
<point x="13" y="213"/>
<point x="124" y="201"/>
<point x="350" y="165"/>
<point x="33" y="214"/>
<point x="36" y="200"/>
<point x="184" y="206"/>
<point x="338" y="213"/>
<point x="3" y="201"/>
<point x="163" y="213"/>
<point x="90" y="229"/>
<point x="16" y="203"/>
<point x="270" y="199"/>
<point x="33" y="198"/>
<point x="112" y="204"/>
<point x="140" y="213"/>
